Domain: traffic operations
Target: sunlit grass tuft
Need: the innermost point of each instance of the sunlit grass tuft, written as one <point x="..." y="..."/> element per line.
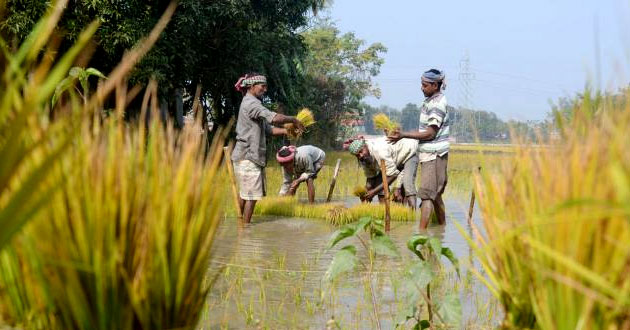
<point x="558" y="225"/>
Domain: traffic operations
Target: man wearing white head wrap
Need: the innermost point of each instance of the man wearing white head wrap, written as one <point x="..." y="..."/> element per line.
<point x="433" y="147"/>
<point x="253" y="124"/>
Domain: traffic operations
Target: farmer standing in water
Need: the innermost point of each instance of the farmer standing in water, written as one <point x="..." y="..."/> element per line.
<point x="253" y="124"/>
<point x="433" y="146"/>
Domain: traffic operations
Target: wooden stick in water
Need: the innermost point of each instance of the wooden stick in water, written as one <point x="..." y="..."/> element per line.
<point x="228" y="163"/>
<point x="386" y="190"/>
<point x="472" y="202"/>
<point x="334" y="180"/>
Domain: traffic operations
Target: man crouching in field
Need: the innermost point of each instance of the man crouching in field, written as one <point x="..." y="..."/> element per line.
<point x="433" y="146"/>
<point x="253" y="124"/>
<point x="299" y="165"/>
<point x="400" y="159"/>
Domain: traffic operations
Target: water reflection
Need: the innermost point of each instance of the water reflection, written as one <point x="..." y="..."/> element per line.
<point x="274" y="268"/>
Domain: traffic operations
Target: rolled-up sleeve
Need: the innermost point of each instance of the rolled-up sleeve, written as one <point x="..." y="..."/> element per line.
<point x="258" y="111"/>
<point x="436" y="117"/>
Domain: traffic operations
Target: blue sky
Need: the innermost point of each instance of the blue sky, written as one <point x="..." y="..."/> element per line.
<point x="523" y="54"/>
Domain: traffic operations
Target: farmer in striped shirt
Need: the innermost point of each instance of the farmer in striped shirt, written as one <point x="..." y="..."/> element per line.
<point x="432" y="148"/>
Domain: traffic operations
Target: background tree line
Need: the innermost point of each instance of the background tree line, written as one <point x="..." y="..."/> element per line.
<point x="307" y="60"/>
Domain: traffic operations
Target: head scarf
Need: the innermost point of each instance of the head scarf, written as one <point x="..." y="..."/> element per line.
<point x="248" y="81"/>
<point x="356" y="146"/>
<point x="434" y="76"/>
<point x="287" y="158"/>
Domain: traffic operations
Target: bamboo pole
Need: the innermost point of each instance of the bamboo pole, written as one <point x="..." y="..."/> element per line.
<point x="228" y="163"/>
<point x="334" y="180"/>
<point x="386" y="190"/>
<point x="471" y="207"/>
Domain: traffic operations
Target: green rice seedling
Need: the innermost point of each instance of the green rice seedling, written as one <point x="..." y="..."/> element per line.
<point x="557" y="224"/>
<point x="381" y="121"/>
<point x="333" y="213"/>
<point x="360" y="192"/>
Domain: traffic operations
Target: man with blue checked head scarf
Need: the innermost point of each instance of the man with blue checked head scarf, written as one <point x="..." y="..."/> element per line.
<point x="433" y="146"/>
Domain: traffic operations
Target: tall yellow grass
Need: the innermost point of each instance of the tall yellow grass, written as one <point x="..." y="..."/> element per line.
<point x="127" y="214"/>
<point x="334" y="213"/>
<point x="557" y="251"/>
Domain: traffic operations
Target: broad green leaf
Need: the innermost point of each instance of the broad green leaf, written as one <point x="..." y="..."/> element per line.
<point x="345" y="260"/>
<point x="416" y="277"/>
<point x="384" y="245"/>
<point x="448" y="253"/>
<point x="450" y="308"/>
<point x="405" y="314"/>
<point x="424" y="324"/>
<point x="95" y="72"/>
<point x="75" y="72"/>
<point x="341" y="234"/>
<point x="414" y="241"/>
<point x="62" y="87"/>
<point x="363" y="222"/>
<point x="436" y="245"/>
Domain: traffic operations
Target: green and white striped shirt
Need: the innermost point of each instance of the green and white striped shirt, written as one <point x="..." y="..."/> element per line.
<point x="434" y="113"/>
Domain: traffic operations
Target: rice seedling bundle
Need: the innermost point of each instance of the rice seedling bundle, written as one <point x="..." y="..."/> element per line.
<point x="305" y="116"/>
<point x="558" y="225"/>
<point x="381" y="121"/>
<point x="334" y="213"/>
<point x="359" y="191"/>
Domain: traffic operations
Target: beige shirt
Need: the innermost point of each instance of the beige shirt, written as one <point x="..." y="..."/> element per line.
<point x="394" y="155"/>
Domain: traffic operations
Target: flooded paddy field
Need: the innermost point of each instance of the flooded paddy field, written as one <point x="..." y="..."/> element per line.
<point x="270" y="275"/>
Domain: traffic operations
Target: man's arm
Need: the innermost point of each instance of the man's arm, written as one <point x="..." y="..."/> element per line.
<point x="311" y="190"/>
<point x="278" y="131"/>
<point x="371" y="193"/>
<point x="280" y="119"/>
<point x="422" y="135"/>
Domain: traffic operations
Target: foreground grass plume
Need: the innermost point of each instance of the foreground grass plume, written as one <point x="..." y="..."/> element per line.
<point x="558" y="225"/>
<point x="334" y="213"/>
<point x="126" y="211"/>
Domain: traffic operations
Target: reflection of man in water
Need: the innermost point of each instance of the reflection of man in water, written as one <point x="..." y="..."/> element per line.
<point x="299" y="165"/>
<point x="433" y="147"/>
<point x="400" y="160"/>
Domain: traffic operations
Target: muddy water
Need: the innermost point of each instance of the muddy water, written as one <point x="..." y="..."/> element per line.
<point x="272" y="270"/>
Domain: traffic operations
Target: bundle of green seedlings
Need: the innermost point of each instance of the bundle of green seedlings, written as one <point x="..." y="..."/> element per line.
<point x="334" y="213"/>
<point x="126" y="213"/>
<point x="558" y="224"/>
<point x="382" y="122"/>
<point x="360" y="192"/>
<point x="305" y="116"/>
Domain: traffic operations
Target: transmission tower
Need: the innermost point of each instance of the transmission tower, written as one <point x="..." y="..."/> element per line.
<point x="466" y="77"/>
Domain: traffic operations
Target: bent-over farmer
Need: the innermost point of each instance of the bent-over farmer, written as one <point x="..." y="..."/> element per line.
<point x="299" y="165"/>
<point x="400" y="160"/>
<point x="253" y="124"/>
<point x="433" y="147"/>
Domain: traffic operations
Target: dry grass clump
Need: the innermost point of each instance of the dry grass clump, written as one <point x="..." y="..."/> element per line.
<point x="381" y="121"/>
<point x="305" y="116"/>
<point x="558" y="225"/>
<point x="334" y="213"/>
